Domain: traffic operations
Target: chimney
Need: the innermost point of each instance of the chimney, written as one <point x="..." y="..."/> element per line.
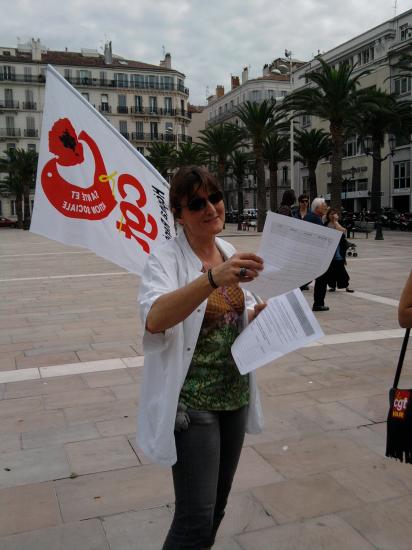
<point x="245" y="75"/>
<point x="108" y="57"/>
<point x="266" y="69"/>
<point x="35" y="49"/>
<point x="235" y="82"/>
<point x="220" y="91"/>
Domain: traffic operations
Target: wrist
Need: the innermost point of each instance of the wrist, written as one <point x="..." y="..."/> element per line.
<point x="212" y="282"/>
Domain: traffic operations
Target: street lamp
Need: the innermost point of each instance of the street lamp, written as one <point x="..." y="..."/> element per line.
<point x="288" y="55"/>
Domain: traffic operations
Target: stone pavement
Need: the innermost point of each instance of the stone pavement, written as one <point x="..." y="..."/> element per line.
<point x="71" y="476"/>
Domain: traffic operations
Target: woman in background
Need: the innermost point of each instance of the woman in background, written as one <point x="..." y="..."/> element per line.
<point x="338" y="277"/>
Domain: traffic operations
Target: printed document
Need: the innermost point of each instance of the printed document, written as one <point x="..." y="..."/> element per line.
<point x="295" y="252"/>
<point x="286" y="324"/>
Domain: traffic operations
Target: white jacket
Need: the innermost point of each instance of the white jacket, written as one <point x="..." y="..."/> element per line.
<point x="167" y="355"/>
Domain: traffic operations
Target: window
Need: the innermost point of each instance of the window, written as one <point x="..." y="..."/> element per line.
<point x="138" y="103"/>
<point x="403" y="31"/>
<point x="8" y="98"/>
<point x="169" y="131"/>
<point x="166" y="82"/>
<point x="403" y="85"/>
<point x="153" y="81"/>
<point x="27" y="74"/>
<point x="153" y="104"/>
<point x="9" y="72"/>
<point x="141" y="150"/>
<point x="139" y="130"/>
<point x="85" y="77"/>
<point x="285" y="175"/>
<point x="137" y="80"/>
<point x="154" y="130"/>
<point x="13" y="208"/>
<point x="30" y="131"/>
<point x="103" y="78"/>
<point x="123" y="128"/>
<point x="67" y="74"/>
<point x="31" y="147"/>
<point x="10" y="146"/>
<point x="120" y="80"/>
<point x="104" y="103"/>
<point x="85" y="95"/>
<point x="350" y="148"/>
<point x="255" y="96"/>
<point x="402" y="175"/>
<point x="121" y="105"/>
<point x="362" y="184"/>
<point x="10" y="126"/>
<point x="29" y="100"/>
<point x="168" y="105"/>
<point x="306" y="121"/>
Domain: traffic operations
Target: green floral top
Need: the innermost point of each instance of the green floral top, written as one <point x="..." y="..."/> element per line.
<point x="213" y="381"/>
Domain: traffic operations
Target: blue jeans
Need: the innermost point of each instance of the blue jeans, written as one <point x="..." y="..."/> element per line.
<point x="207" y="457"/>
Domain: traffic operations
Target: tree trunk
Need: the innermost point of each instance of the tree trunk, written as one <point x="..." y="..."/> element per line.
<point x="273" y="175"/>
<point x="336" y="161"/>
<point x="26" y="196"/>
<point x="376" y="177"/>
<point x="313" y="188"/>
<point x="239" y="203"/>
<point x="19" y="209"/>
<point x="261" y="186"/>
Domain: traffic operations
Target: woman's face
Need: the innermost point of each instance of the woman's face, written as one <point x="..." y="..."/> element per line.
<point x="304" y="203"/>
<point x="207" y="221"/>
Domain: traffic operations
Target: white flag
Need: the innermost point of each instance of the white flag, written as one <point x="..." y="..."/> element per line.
<point x="93" y="188"/>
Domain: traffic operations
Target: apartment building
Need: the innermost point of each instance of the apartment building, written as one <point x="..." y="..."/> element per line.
<point x="274" y="83"/>
<point x="146" y="103"/>
<point x="377" y="51"/>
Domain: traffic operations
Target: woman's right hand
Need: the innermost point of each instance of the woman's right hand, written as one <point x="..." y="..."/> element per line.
<point x="229" y="273"/>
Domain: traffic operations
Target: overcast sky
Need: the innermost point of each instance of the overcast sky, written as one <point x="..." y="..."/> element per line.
<point x="208" y="39"/>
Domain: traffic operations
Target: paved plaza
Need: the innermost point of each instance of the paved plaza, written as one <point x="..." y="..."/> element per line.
<point x="71" y="477"/>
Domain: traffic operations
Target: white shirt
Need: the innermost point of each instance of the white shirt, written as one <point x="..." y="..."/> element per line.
<point x="167" y="355"/>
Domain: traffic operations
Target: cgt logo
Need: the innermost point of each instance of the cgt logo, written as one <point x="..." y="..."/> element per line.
<point x="400" y="404"/>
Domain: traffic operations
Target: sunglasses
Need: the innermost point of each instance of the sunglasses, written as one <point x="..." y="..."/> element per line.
<point x="304" y="200"/>
<point x="200" y="203"/>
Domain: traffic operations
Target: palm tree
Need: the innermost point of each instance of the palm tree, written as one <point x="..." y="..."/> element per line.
<point x="276" y="149"/>
<point x="190" y="154"/>
<point x="312" y="146"/>
<point x="333" y="99"/>
<point x="239" y="163"/>
<point x="381" y="114"/>
<point x="25" y="163"/>
<point x="162" y="156"/>
<point x="219" y="142"/>
<point x="259" y="120"/>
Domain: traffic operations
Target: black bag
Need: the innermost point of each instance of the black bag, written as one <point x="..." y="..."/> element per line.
<point x="399" y="425"/>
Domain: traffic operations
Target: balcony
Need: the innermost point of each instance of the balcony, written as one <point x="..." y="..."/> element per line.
<point x="31" y="132"/>
<point x="9" y="104"/>
<point x="147" y="111"/>
<point x="122" y="109"/>
<point x="29" y="106"/>
<point x="34" y="79"/>
<point x="126" y="135"/>
<point x="10" y="132"/>
<point x="173" y="138"/>
<point x="106" y="83"/>
<point x="105" y="108"/>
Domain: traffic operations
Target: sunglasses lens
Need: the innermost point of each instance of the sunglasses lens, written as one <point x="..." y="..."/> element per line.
<point x="214" y="198"/>
<point x="196" y="204"/>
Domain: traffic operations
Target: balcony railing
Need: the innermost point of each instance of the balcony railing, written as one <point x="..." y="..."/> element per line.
<point x="105" y="108"/>
<point x="10" y="132"/>
<point x="126" y="134"/>
<point x="38" y="78"/>
<point x="31" y="132"/>
<point x="9" y="104"/>
<point x="29" y="106"/>
<point x="140" y="136"/>
<point x="122" y="109"/>
<point x="159" y="111"/>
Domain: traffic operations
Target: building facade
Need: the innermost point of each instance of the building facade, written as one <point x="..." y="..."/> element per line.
<point x="273" y="84"/>
<point x="146" y="103"/>
<point x="376" y="51"/>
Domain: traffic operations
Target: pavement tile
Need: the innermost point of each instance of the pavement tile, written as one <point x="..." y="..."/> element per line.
<point x="100" y="455"/>
<point x="33" y="466"/>
<point x="113" y="492"/>
<point x="127" y="391"/>
<point x="28" y="507"/>
<point x="43" y="387"/>
<point x="75" y="398"/>
<point x="117" y="426"/>
<point x="95" y="412"/>
<point x="45" y="360"/>
<point x="253" y="471"/>
<point x="349" y="391"/>
<point x="108" y="378"/>
<point x="32" y="421"/>
<point x="82" y="535"/>
<point x="374" y="408"/>
<point x="334" y="416"/>
<point x="386" y="525"/>
<point x="281" y="384"/>
<point x="136" y="361"/>
<point x="9" y="407"/>
<point x="312" y="455"/>
<point x="321" y="533"/>
<point x="370" y="436"/>
<point x="56" y="437"/>
<point x="304" y="497"/>
<point x="95" y="355"/>
<point x="10" y="443"/>
<point x="244" y="513"/>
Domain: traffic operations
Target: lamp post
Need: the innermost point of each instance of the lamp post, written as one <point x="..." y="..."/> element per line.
<point x="288" y="55"/>
<point x="372" y="148"/>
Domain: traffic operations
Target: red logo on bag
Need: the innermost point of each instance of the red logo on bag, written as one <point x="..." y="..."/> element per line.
<point x="92" y="203"/>
<point x="400" y="404"/>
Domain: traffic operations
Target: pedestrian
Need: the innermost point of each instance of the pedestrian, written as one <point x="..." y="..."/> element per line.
<point x="301" y="210"/>
<point x="318" y="210"/>
<point x="405" y="305"/>
<point x="195" y="406"/>
<point x="338" y="277"/>
<point x="288" y="200"/>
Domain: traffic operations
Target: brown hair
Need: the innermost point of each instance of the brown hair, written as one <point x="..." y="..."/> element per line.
<point x="187" y="181"/>
<point x="303" y="196"/>
<point x="329" y="214"/>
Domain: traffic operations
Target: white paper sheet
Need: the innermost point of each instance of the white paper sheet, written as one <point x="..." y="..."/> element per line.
<point x="286" y="324"/>
<point x="295" y="252"/>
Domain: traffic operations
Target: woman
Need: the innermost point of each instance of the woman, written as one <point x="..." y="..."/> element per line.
<point x="301" y="210"/>
<point x="337" y="274"/>
<point x="405" y="305"/>
<point x="288" y="200"/>
<point x="195" y="406"/>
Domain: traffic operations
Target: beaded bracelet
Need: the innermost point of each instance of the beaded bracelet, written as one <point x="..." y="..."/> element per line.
<point x="211" y="281"/>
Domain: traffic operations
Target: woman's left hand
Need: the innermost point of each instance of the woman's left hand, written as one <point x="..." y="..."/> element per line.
<point x="255" y="312"/>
